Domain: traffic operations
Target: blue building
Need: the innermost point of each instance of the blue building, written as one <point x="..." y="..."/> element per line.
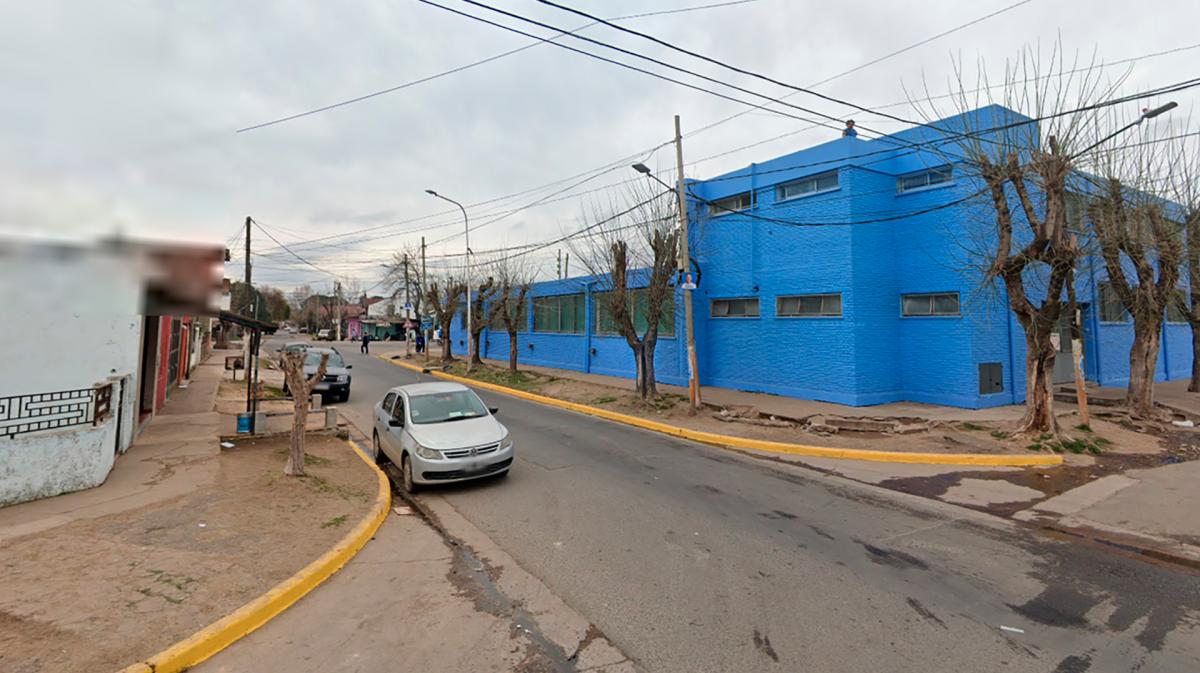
<point x="843" y="273"/>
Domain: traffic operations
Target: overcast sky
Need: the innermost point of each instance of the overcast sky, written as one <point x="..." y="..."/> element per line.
<point x="121" y="116"/>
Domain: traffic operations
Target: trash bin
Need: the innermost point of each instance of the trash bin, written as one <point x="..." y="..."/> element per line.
<point x="245" y="421"/>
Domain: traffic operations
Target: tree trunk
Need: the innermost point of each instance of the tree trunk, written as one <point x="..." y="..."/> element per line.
<point x="1143" y="360"/>
<point x="475" y="359"/>
<point x="1039" y="391"/>
<point x="639" y="379"/>
<point x="512" y="351"/>
<point x="1194" y="386"/>
<point x="295" y="461"/>
<point x="447" y="349"/>
<point x="650" y="386"/>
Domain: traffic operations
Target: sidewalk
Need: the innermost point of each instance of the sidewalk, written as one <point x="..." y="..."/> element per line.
<point x="181" y="534"/>
<point x="789" y="407"/>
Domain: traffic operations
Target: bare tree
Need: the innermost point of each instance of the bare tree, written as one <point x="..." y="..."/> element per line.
<point x="443" y="296"/>
<point x="639" y="240"/>
<point x="481" y="316"/>
<point x="513" y="278"/>
<point x="1132" y="229"/>
<point x="301" y="389"/>
<point x="1183" y="185"/>
<point x="1022" y="166"/>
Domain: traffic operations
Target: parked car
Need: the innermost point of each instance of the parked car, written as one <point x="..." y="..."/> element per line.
<point x="335" y="385"/>
<point x="325" y="335"/>
<point x="292" y="347"/>
<point x="439" y="432"/>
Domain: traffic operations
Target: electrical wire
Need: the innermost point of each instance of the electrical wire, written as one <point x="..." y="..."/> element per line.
<point x="468" y="66"/>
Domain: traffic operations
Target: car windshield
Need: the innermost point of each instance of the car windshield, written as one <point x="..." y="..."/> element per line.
<point x="456" y="405"/>
<point x="313" y="359"/>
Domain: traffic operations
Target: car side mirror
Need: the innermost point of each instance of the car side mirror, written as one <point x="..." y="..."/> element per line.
<point x="349" y="366"/>
<point x="493" y="410"/>
<point x="395" y="423"/>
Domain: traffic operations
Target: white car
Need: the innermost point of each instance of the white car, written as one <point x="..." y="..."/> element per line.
<point x="439" y="432"/>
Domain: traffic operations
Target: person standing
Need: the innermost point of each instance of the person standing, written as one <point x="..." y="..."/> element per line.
<point x="849" y="131"/>
<point x="366" y="343"/>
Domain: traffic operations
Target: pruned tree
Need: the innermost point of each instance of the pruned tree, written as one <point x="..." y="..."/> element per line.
<point x="1022" y="165"/>
<point x="443" y="296"/>
<point x="1183" y="186"/>
<point x="626" y="244"/>
<point x="301" y="389"/>
<point x="1142" y="249"/>
<point x="480" y="317"/>
<point x="513" y="278"/>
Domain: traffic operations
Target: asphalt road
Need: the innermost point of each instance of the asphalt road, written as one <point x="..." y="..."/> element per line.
<point x="691" y="558"/>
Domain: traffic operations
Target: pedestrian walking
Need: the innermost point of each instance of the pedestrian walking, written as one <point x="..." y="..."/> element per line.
<point x="366" y="344"/>
<point x="420" y="342"/>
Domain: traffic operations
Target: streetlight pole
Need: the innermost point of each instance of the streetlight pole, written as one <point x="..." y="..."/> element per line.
<point x="685" y="264"/>
<point x="467" y="240"/>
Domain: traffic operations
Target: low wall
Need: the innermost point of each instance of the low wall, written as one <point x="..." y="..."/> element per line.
<point x="53" y="462"/>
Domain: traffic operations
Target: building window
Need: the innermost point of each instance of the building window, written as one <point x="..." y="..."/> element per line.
<point x="732" y="204"/>
<point x="1177" y="308"/>
<point x="938" y="303"/>
<point x="735" y="308"/>
<point x="929" y="178"/>
<point x="1111" y="308"/>
<point x="522" y="318"/>
<point x="1076" y="206"/>
<point x="603" y="322"/>
<point x="813" y="184"/>
<point x="561" y="313"/>
<point x="809" y="305"/>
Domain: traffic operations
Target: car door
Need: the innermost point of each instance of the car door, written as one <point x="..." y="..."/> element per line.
<point x="395" y="433"/>
<point x="383" y="411"/>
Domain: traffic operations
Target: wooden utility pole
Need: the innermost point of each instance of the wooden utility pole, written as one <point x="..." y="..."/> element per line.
<point x="249" y="303"/>
<point x="558" y="269"/>
<point x="337" y="309"/>
<point x="685" y="265"/>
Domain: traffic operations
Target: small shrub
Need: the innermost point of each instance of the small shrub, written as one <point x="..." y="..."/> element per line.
<point x="604" y="399"/>
<point x="971" y="426"/>
<point x="999" y="434"/>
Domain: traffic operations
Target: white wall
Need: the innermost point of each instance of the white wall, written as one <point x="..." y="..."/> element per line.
<point x="69" y="321"/>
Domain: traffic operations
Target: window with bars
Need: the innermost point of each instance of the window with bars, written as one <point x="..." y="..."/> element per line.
<point x="809" y="305"/>
<point x="1111" y="307"/>
<point x="813" y="184"/>
<point x="732" y="204"/>
<point x="735" y="308"/>
<point x="929" y="178"/>
<point x="559" y="313"/>
<point x="930" y="304"/>
<point x="603" y="322"/>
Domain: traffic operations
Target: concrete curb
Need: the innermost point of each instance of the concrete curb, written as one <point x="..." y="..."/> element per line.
<point x="227" y="630"/>
<point x="984" y="459"/>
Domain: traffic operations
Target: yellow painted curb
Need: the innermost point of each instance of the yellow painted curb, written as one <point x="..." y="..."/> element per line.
<point x="224" y="632"/>
<point x="982" y="459"/>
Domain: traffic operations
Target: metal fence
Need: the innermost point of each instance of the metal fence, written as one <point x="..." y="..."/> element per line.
<point x="21" y="414"/>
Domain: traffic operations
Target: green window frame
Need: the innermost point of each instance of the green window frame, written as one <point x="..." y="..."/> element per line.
<point x="563" y="314"/>
<point x="604" y="325"/>
<point x="1111" y="308"/>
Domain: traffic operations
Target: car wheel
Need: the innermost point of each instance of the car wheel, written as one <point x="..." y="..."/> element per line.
<point x="380" y="457"/>
<point x="346" y="395"/>
<point x="406" y="478"/>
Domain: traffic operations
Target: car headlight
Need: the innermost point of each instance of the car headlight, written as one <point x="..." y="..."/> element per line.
<point x="428" y="453"/>
<point x="343" y="378"/>
<point x="506" y="443"/>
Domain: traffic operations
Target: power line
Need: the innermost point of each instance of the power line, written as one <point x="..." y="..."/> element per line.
<point x="264" y="230"/>
<point x="430" y="78"/>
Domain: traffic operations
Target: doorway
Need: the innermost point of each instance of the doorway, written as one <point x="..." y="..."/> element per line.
<point x="148" y="367"/>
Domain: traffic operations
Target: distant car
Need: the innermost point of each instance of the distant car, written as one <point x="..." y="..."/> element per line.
<point x="325" y="335"/>
<point x="292" y="347"/>
<point x="335" y="385"/>
<point x="439" y="432"/>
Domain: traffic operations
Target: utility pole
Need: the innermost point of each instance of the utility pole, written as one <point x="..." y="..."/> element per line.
<point x="685" y="265"/>
<point x="424" y="285"/>
<point x="567" y="266"/>
<point x="558" y="269"/>
<point x="337" y="309"/>
<point x="407" y="302"/>
<point x="250" y="302"/>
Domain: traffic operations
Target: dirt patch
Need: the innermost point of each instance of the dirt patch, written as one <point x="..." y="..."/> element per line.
<point x="100" y="594"/>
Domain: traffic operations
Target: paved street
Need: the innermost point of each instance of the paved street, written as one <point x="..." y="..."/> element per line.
<point x="690" y="558"/>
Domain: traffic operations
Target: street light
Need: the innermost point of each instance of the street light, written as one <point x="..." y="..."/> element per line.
<point x="1146" y="114"/>
<point x="467" y="238"/>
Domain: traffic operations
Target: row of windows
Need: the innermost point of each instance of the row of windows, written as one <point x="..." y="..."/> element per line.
<point x="828" y="181"/>
<point x="822" y="305"/>
<point x="565" y="314"/>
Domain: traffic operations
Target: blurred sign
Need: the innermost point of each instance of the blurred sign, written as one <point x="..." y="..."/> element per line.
<point x="688" y="283"/>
